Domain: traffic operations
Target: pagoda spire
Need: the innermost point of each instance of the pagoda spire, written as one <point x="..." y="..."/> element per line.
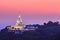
<point x="20" y="18"/>
<point x="19" y="21"/>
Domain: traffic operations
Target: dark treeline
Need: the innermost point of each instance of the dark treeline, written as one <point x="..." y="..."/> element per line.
<point x="48" y="31"/>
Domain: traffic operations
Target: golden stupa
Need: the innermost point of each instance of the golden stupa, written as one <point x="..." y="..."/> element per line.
<point x="18" y="26"/>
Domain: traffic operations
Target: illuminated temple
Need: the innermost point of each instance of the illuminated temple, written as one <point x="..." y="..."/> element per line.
<point x="18" y="26"/>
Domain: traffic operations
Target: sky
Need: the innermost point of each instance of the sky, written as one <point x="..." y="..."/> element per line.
<point x="31" y="11"/>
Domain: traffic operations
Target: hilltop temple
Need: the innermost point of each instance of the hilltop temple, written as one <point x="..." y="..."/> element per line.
<point x="18" y="26"/>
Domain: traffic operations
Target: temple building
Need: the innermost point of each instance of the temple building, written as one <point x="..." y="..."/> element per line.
<point x="18" y="26"/>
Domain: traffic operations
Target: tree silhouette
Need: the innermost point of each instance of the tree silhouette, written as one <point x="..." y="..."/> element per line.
<point x="48" y="31"/>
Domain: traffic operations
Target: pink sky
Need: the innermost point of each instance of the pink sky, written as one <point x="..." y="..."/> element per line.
<point x="32" y="11"/>
<point x="30" y="5"/>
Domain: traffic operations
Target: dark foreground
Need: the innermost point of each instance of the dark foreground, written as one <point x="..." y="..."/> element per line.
<point x="48" y="31"/>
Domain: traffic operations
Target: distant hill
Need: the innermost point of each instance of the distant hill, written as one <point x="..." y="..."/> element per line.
<point x="48" y="31"/>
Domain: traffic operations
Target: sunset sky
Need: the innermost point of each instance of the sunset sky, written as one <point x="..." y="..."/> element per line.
<point x="31" y="11"/>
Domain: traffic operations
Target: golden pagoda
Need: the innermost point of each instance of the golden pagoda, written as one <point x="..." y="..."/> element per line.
<point x="18" y="26"/>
